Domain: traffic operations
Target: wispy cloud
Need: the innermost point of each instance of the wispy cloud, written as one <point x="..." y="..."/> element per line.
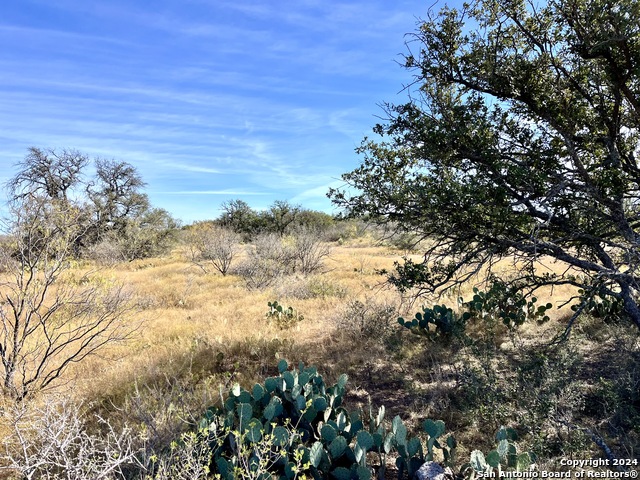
<point x="208" y="99"/>
<point x="239" y="193"/>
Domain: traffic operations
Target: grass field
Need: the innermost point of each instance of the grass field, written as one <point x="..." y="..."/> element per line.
<point x="197" y="333"/>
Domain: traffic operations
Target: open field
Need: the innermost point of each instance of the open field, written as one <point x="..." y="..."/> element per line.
<point x="197" y="334"/>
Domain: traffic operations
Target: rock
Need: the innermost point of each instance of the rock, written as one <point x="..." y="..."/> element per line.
<point x="433" y="471"/>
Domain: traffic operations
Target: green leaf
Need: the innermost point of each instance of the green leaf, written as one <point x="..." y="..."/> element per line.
<point x="245" y="397"/>
<point x="303" y="378"/>
<point x="280" y="436"/>
<point x="434" y="429"/>
<point x="310" y="414"/>
<point x="341" y="473"/>
<point x="506" y="434"/>
<point x="320" y="404"/>
<point x="413" y="446"/>
<point x="271" y="384"/>
<point x="289" y="379"/>
<point x="523" y="462"/>
<point x="328" y="433"/>
<point x="301" y="403"/>
<point x="273" y="409"/>
<point x="493" y="459"/>
<point x="223" y="467"/>
<point x="258" y="392"/>
<point x="254" y="432"/>
<point x="342" y="380"/>
<point x="341" y="420"/>
<point x="363" y="473"/>
<point x="401" y="434"/>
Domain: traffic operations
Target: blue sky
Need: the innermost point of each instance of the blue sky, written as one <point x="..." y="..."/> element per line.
<point x="210" y="100"/>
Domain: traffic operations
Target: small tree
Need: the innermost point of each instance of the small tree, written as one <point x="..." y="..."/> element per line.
<point x="116" y="211"/>
<point x="212" y="246"/>
<point x="521" y="139"/>
<point x="309" y="250"/>
<point x="238" y="216"/>
<point x="47" y="324"/>
<point x="116" y="197"/>
<point x="281" y="216"/>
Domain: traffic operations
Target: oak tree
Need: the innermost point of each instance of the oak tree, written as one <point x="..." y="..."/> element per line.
<point x="520" y="137"/>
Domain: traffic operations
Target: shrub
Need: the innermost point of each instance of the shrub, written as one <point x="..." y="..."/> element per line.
<point x="294" y="424"/>
<point x="499" y="304"/>
<point x="306" y="427"/>
<point x="269" y="259"/>
<point x="368" y="319"/>
<point x="53" y="442"/>
<point x="212" y="247"/>
<point x="106" y="252"/>
<point x="273" y="257"/>
<point x="308" y="251"/>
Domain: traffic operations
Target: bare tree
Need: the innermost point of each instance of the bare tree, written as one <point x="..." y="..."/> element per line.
<point x="309" y="250"/>
<point x="116" y="194"/>
<point x="214" y="247"/>
<point x="47" y="324"/>
<point x="48" y="172"/>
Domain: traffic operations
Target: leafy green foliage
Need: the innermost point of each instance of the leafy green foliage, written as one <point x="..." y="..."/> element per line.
<point x="601" y="304"/>
<point x="438" y="322"/>
<point x="281" y="218"/>
<point x="507" y="304"/>
<point x="521" y="141"/>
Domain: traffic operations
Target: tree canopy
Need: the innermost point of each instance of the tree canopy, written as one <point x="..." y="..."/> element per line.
<point x="114" y="209"/>
<point x="520" y="137"/>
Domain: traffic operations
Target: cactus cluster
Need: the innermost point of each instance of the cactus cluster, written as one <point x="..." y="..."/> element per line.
<point x="601" y="304"/>
<point x="284" y="317"/>
<point x="504" y="457"/>
<point x="499" y="303"/>
<point x="293" y="425"/>
<point x="439" y="322"/>
<point x="507" y="304"/>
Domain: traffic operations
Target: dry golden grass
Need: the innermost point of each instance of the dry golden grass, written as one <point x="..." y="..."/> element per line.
<point x="207" y="331"/>
<point x="182" y="308"/>
<point x="185" y="312"/>
<point x="188" y="317"/>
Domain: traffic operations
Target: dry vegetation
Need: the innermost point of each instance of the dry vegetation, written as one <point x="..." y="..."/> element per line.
<point x="202" y="332"/>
